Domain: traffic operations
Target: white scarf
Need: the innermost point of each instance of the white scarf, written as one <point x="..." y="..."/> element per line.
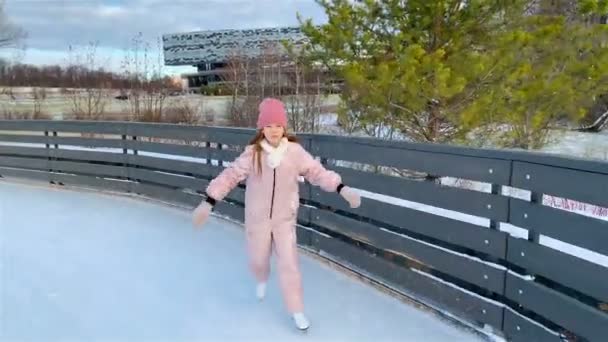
<point x="275" y="154"/>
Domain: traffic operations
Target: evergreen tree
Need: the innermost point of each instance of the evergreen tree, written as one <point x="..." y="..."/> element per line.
<point x="438" y="70"/>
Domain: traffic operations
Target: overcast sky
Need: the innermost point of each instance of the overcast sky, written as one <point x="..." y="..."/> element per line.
<point x="54" y="25"/>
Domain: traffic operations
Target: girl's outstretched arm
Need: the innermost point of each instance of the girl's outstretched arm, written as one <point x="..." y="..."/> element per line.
<point x="228" y="179"/>
<point x="314" y="172"/>
<point x="328" y="180"/>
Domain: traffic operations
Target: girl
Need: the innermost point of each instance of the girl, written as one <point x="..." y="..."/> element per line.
<point x="271" y="165"/>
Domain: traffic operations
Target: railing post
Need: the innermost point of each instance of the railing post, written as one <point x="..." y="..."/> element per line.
<point x="125" y="151"/>
<point x="56" y="147"/>
<point x="219" y="147"/>
<point x="207" y="155"/>
<point x="48" y="154"/>
<point x="496" y="190"/>
<point x="134" y="138"/>
<point x="46" y="134"/>
<point x="535" y="198"/>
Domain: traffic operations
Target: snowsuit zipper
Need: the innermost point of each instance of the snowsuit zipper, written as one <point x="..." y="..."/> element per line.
<point x="274" y="180"/>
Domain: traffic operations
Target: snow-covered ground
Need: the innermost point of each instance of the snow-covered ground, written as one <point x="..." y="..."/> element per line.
<point x="579" y="144"/>
<point x="79" y="265"/>
<point x="565" y="143"/>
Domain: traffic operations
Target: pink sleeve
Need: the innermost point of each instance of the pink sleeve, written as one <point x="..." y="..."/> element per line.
<point x="316" y="174"/>
<point x="228" y="179"/>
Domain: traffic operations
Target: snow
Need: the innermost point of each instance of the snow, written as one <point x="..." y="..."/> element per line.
<point x="515" y="231"/>
<point x="495" y="338"/>
<point x="535" y="323"/>
<point x="329" y="119"/>
<point x="214" y="162"/>
<point x="83" y="265"/>
<point x="481" y="222"/>
<point x="473" y="294"/>
<point x="22" y="144"/>
<point x="174" y="157"/>
<point x="466" y="184"/>
<point x="579" y="144"/>
<point x="524" y="277"/>
<point x="92" y="149"/>
<point x="115" y="150"/>
<point x="579" y="252"/>
<point x="491" y="264"/>
<point x="476" y="220"/>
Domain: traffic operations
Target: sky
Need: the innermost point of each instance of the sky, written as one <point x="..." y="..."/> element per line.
<point x="55" y="25"/>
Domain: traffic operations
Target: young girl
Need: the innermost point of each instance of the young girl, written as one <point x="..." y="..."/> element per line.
<point x="272" y="164"/>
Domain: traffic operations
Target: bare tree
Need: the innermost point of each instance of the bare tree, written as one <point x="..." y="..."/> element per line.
<point x="132" y="65"/>
<point x="39" y="95"/>
<point x="274" y="73"/>
<point x="235" y="78"/>
<point x="270" y="73"/>
<point x="10" y="34"/>
<point x="147" y="89"/>
<point x="25" y="112"/>
<point x="305" y="89"/>
<point x="240" y="81"/>
<point x="56" y="76"/>
<point x="90" y="97"/>
<point x="187" y="112"/>
<point x="571" y="10"/>
<point x="153" y="90"/>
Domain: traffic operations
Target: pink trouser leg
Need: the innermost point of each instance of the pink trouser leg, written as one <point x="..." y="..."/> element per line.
<point x="285" y="244"/>
<point x="259" y="245"/>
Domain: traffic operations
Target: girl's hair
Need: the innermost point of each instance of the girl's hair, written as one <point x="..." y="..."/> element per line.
<point x="257" y="145"/>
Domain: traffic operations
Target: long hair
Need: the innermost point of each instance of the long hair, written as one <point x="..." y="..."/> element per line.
<point x="257" y="145"/>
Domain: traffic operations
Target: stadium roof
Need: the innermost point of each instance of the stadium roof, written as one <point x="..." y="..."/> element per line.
<point x="200" y="47"/>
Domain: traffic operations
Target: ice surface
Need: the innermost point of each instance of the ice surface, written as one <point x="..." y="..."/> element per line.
<point x="79" y="265"/>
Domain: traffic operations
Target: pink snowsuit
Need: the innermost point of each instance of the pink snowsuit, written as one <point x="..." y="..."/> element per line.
<point x="271" y="206"/>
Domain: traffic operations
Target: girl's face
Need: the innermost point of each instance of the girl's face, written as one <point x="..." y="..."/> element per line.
<point x="273" y="134"/>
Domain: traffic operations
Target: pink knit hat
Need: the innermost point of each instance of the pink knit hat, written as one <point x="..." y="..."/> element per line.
<point x="272" y="111"/>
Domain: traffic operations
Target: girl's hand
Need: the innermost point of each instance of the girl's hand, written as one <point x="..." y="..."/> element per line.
<point x="201" y="214"/>
<point x="351" y="196"/>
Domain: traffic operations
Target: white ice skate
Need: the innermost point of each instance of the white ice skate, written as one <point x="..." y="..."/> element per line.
<point x="260" y="291"/>
<point x="301" y="321"/>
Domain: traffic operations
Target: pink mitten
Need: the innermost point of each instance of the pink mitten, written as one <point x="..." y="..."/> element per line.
<point x="351" y="196"/>
<point x="201" y="214"/>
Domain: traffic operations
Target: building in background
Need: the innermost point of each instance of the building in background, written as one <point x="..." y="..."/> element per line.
<point x="211" y="51"/>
